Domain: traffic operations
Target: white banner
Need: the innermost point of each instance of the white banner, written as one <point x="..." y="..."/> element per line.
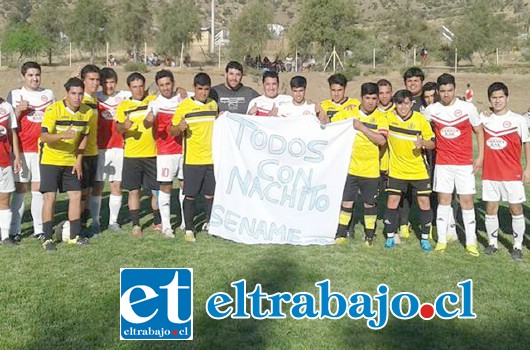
<point x="279" y="180"/>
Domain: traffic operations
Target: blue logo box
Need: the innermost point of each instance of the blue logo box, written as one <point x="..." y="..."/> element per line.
<point x="156" y="304"/>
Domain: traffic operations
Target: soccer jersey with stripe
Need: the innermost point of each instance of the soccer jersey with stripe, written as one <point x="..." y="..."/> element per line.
<point x="266" y="104"/>
<point x="139" y="141"/>
<point x="384" y="151"/>
<point x="331" y="108"/>
<point x="289" y="109"/>
<point x="198" y="137"/>
<point x="92" y="146"/>
<point x="8" y="121"/>
<point x="59" y="118"/>
<point x="30" y="120"/>
<point x="108" y="136"/>
<point x="406" y="161"/>
<point x="453" y="127"/>
<point x="163" y="109"/>
<point x="504" y="136"/>
<point x="364" y="161"/>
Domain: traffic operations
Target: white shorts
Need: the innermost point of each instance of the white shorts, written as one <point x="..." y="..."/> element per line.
<point x="110" y="164"/>
<point x="505" y="191"/>
<point x="30" y="171"/>
<point x="449" y="177"/>
<point x="7" y="180"/>
<point x="169" y="166"/>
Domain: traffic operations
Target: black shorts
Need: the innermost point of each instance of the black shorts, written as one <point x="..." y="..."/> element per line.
<point x="90" y="167"/>
<point x="139" y="173"/>
<point x="399" y="186"/>
<point x="366" y="188"/>
<point x="56" y="177"/>
<point x="198" y="179"/>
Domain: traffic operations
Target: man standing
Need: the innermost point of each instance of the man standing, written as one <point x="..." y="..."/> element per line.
<point x="29" y="102"/>
<point x="267" y="104"/>
<point x="413" y="79"/>
<point x="503" y="177"/>
<point x="454" y="121"/>
<point x="298" y="105"/>
<point x="339" y="100"/>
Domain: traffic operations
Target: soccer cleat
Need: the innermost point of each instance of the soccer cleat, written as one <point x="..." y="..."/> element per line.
<point x="369" y="242"/>
<point x="452" y="237"/>
<point x="205" y="226"/>
<point x="490" y="250"/>
<point x="168" y="232"/>
<point x="189" y="236"/>
<point x="156" y="227"/>
<point x="472" y="250"/>
<point x="39" y="236"/>
<point x="425" y="245"/>
<point x="115" y="228"/>
<point x="182" y="225"/>
<point x="404" y="231"/>
<point x="517" y="254"/>
<point x="9" y="242"/>
<point x="82" y="241"/>
<point x="390" y="243"/>
<point x="431" y="232"/>
<point x="341" y="240"/>
<point x="440" y="247"/>
<point x="17" y="238"/>
<point x="49" y="245"/>
<point x="96" y="230"/>
<point x="137" y="231"/>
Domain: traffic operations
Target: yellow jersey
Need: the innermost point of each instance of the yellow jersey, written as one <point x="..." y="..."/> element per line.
<point x="197" y="139"/>
<point x="58" y="118"/>
<point x="331" y="108"/>
<point x="384" y="158"/>
<point x="92" y="146"/>
<point x="406" y="161"/>
<point x="139" y="141"/>
<point x="364" y="160"/>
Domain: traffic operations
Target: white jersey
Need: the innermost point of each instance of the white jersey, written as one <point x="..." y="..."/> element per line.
<point x="289" y="109"/>
<point x="266" y="104"/>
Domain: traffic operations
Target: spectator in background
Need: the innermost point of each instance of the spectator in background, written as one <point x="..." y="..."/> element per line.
<point x="469" y="93"/>
<point x="424" y="53"/>
<point x="288" y="63"/>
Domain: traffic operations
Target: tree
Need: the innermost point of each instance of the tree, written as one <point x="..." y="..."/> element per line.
<point x="132" y="22"/>
<point x="18" y="11"/>
<point x="24" y="40"/>
<point x="176" y="26"/>
<point x="48" y="19"/>
<point x="249" y="32"/>
<point x="89" y="24"/>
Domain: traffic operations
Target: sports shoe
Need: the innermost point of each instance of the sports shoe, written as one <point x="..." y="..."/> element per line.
<point x="137" y="231"/>
<point x="341" y="240"/>
<point x="369" y="242"/>
<point x="96" y="230"/>
<point x="9" y="242"/>
<point x="425" y="245"/>
<point x="390" y="243"/>
<point x="205" y="226"/>
<point x="517" y="254"/>
<point x="17" y="238"/>
<point x="472" y="250"/>
<point x="40" y="237"/>
<point x="397" y="239"/>
<point x="182" y="225"/>
<point x="490" y="250"/>
<point x="82" y="241"/>
<point x="49" y="245"/>
<point x="440" y="247"/>
<point x="189" y="236"/>
<point x="404" y="231"/>
<point x="156" y="227"/>
<point x="115" y="228"/>
<point x="168" y="232"/>
<point x="452" y="237"/>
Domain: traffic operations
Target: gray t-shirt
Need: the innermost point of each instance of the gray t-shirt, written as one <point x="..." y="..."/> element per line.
<point x="235" y="101"/>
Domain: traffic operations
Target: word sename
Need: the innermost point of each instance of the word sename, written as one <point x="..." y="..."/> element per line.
<point x="333" y="305"/>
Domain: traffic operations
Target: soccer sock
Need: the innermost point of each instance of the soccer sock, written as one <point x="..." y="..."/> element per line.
<point x="189" y="213"/>
<point x="181" y="201"/>
<point x="518" y="227"/>
<point x="84" y="216"/>
<point x="451" y="227"/>
<point x="442" y="221"/>
<point x="5" y="222"/>
<point x="47" y="228"/>
<point x="492" y="228"/>
<point x="95" y="209"/>
<point x="370" y="219"/>
<point x="37" y="202"/>
<point x="470" y="226"/>
<point x="164" y="200"/>
<point x="391" y="222"/>
<point x="344" y="221"/>
<point x="157" y="220"/>
<point x="404" y="210"/>
<point x="66" y="229"/>
<point x="17" y="209"/>
<point x="209" y="205"/>
<point x="114" y="208"/>
<point x="135" y="217"/>
<point x="75" y="228"/>
<point x="425" y="223"/>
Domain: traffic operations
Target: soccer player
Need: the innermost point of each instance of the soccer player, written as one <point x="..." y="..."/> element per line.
<point x="29" y="102"/>
<point x="505" y="134"/>
<point x="267" y="104"/>
<point x="362" y="182"/>
<point x="168" y="148"/>
<point x="194" y="119"/>
<point x="233" y="96"/>
<point x="413" y="79"/>
<point x="339" y="100"/>
<point x="8" y="141"/>
<point x="385" y="105"/>
<point x="139" y="163"/>
<point x="409" y="133"/>
<point x="454" y="122"/>
<point x="64" y="137"/>
<point x="110" y="146"/>
<point x="298" y="105"/>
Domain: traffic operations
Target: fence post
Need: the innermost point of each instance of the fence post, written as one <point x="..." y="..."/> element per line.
<point x="70" y="54"/>
<point x="456" y="60"/>
<point x="145" y="52"/>
<point x="107" y="54"/>
<point x="373" y="58"/>
<point x="497" y="51"/>
<point x="414" y="52"/>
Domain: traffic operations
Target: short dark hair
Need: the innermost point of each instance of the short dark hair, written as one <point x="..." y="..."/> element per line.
<point x="369" y="89"/>
<point x="29" y="65"/>
<point x="107" y="73"/>
<point x="497" y="86"/>
<point x="298" y="81"/>
<point x="429" y="86"/>
<point x="89" y="68"/>
<point x="74" y="82"/>
<point x="234" y="65"/>
<point x="270" y="74"/>
<point x="384" y="82"/>
<point x="401" y="95"/>
<point x="339" y="79"/>
<point x="445" y="79"/>
<point x="135" y="76"/>
<point x="164" y="73"/>
<point x="202" y="79"/>
<point x="414" y="72"/>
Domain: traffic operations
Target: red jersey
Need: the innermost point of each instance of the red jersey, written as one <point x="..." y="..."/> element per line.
<point x="30" y="120"/>
<point x="504" y="136"/>
<point x="7" y="121"/>
<point x="453" y="129"/>
<point x="108" y="136"/>
<point x="163" y="110"/>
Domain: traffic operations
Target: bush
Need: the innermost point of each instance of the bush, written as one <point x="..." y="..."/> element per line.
<point x="135" y="67"/>
<point x="351" y="72"/>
